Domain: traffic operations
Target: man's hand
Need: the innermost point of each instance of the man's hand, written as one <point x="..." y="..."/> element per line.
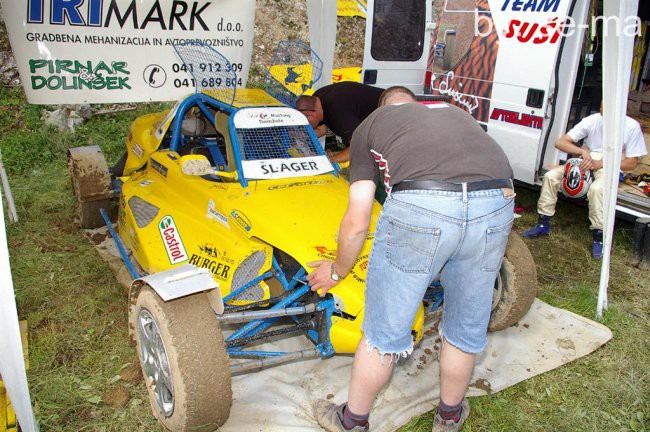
<point x="588" y="163"/>
<point x="320" y="279"/>
<point x="320" y="130"/>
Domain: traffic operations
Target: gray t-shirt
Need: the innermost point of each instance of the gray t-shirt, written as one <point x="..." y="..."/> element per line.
<point x="415" y="142"/>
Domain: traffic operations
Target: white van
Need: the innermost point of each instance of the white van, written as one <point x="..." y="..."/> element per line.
<point x="513" y="64"/>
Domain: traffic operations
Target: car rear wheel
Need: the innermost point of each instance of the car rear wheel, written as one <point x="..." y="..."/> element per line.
<point x="516" y="285"/>
<point x="91" y="184"/>
<point x="184" y="361"/>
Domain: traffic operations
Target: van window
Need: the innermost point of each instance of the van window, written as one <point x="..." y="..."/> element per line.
<point x="405" y="18"/>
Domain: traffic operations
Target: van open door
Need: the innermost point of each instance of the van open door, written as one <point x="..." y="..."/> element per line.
<point x="397" y="43"/>
<point x="496" y="59"/>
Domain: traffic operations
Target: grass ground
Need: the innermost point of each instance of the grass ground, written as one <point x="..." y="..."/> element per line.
<point x="76" y="312"/>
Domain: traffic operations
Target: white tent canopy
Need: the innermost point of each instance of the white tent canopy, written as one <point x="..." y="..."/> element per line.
<point x="12" y="365"/>
<point x="617" y="63"/>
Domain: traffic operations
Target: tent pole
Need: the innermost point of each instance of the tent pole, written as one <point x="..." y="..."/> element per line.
<point x="13" y="215"/>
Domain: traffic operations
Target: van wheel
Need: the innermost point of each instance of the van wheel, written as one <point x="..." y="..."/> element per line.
<point x="516" y="285"/>
<point x="184" y="361"/>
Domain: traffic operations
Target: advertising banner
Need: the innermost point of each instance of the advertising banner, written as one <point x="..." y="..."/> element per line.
<point x="108" y="51"/>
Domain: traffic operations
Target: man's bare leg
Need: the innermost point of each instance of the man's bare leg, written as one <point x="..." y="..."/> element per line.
<point x="456" y="369"/>
<point x="369" y="376"/>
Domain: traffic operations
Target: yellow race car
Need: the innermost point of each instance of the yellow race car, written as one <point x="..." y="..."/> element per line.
<point x="220" y="206"/>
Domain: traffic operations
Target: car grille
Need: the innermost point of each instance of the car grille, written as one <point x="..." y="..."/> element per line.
<point x="247" y="271"/>
<point x="143" y="212"/>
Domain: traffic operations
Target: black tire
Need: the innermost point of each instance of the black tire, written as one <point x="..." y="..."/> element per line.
<point x="118" y="169"/>
<point x="516" y="286"/>
<point x="196" y="395"/>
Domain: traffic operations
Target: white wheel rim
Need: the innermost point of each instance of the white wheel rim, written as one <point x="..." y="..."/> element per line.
<point x="155" y="363"/>
<point x="498" y="290"/>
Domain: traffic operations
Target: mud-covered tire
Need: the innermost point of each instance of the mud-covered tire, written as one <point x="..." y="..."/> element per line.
<point x="196" y="395"/>
<point x="516" y="285"/>
<point x="91" y="185"/>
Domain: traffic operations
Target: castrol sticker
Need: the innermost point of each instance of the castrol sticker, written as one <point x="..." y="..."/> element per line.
<point x="172" y="240"/>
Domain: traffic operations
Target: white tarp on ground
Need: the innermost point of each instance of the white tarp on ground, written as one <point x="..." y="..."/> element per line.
<point x="279" y="399"/>
<point x="12" y="364"/>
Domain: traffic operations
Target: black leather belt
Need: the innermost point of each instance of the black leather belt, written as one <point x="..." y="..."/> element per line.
<point x="452" y="187"/>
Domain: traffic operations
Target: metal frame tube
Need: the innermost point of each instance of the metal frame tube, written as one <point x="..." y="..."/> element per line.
<point x="239" y="317"/>
<point x="257" y="365"/>
<point x="120" y="247"/>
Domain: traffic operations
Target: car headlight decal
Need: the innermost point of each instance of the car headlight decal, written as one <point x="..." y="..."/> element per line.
<point x="143" y="211"/>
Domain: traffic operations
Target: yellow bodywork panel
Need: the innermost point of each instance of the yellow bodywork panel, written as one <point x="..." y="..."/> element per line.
<point x="209" y="219"/>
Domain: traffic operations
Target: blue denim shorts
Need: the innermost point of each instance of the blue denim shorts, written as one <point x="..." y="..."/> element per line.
<point x="460" y="236"/>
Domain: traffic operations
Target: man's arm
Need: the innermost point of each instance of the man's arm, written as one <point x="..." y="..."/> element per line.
<point x="629" y="163"/>
<point x="352" y="236"/>
<point x="567" y="145"/>
<point x="342" y="156"/>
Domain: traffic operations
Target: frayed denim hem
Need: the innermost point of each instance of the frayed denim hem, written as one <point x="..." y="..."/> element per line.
<point x="461" y="347"/>
<point x="394" y="356"/>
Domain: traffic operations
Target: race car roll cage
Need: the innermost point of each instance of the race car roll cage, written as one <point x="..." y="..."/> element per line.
<point x="311" y="314"/>
<point x="201" y="101"/>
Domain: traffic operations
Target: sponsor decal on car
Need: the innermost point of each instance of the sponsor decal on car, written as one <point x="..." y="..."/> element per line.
<point x="241" y="220"/>
<point x="172" y="240"/>
<point x="160" y="168"/>
<point x="262" y="117"/>
<point x="137" y="150"/>
<point x="214" y="214"/>
<point x="298" y="184"/>
<point x="212" y="251"/>
<point x="324" y="252"/>
<point x="218" y="269"/>
<point x="359" y="268"/>
<point x="288" y="167"/>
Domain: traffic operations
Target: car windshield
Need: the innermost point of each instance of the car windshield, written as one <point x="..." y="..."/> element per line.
<point x="279" y="142"/>
<point x="275" y="142"/>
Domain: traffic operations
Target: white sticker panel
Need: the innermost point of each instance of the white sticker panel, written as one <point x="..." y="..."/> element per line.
<point x="285" y="168"/>
<point x="251" y="118"/>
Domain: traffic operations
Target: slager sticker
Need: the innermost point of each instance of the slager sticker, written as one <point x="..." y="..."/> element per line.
<point x="172" y="240"/>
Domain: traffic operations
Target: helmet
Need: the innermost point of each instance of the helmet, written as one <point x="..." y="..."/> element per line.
<point x="576" y="181"/>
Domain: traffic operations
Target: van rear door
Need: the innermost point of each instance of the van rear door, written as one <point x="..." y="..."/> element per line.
<point x="397" y="43"/>
<point x="495" y="59"/>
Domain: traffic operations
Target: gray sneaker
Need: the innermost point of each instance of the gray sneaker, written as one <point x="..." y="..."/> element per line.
<point x="329" y="416"/>
<point x="440" y="425"/>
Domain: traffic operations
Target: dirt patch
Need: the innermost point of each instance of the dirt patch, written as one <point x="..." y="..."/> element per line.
<point x="483" y="385"/>
<point x="131" y="374"/>
<point x="116" y="397"/>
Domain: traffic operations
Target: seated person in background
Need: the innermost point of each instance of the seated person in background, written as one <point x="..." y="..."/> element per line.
<point x="340" y="107"/>
<point x="591" y="130"/>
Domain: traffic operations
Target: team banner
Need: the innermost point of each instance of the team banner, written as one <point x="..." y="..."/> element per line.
<point x="108" y="51"/>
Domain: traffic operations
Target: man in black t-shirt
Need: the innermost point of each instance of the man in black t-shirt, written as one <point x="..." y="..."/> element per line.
<point x="340" y="107"/>
<point x="449" y="212"/>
